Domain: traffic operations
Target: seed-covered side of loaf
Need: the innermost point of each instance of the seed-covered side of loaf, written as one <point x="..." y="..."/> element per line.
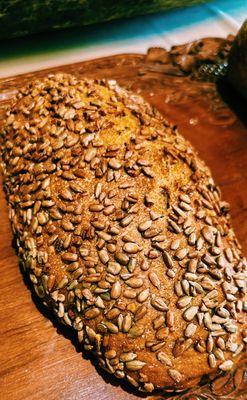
<point x="123" y="232"/>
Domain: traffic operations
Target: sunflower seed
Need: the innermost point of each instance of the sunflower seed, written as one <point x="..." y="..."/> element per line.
<point x="175" y="375"/>
<point x="63" y="282"/>
<point x="190" y="330"/>
<point x="116" y="290"/>
<point x="110" y="354"/>
<point x="98" y="190"/>
<point x="129" y="294"/>
<point x="113" y="268"/>
<point x="162" y="333"/>
<point x="212" y="361"/>
<point x="154" y="279"/>
<point x="229" y="255"/>
<point x="114" y="164"/>
<point x="167" y="259"/>
<point x="131" y="248"/>
<point x="192" y="239"/>
<point x="60" y="310"/>
<point x="157" y="346"/>
<point x="145" y="265"/>
<point x="175" y="228"/>
<point x="190" y="313"/>
<point x="90" y="154"/>
<point x="128" y="357"/>
<point x="185" y="198"/>
<point x="141" y="312"/>
<point x="210" y="344"/>
<point x="143" y="226"/>
<point x="136" y="331"/>
<point x="164" y="359"/>
<point x="111" y="327"/>
<point x="151" y="233"/>
<point x="96" y="207"/>
<point x="99" y="302"/>
<point x="148" y="387"/>
<point x="181" y="254"/>
<point x="175" y="244"/>
<point x="67" y="226"/>
<point x="121" y="258"/>
<point x="132" y="265"/>
<point x="127" y="322"/>
<point x="105" y="236"/>
<point x="181" y="345"/>
<point x="199" y="243"/>
<point x="208" y="235"/>
<point x="143" y="296"/>
<point x="158" y="303"/>
<point x="186" y="286"/>
<point x="69" y="257"/>
<point x="66" y="194"/>
<point x="103" y="256"/>
<point x="158" y="322"/>
<point x="226" y="366"/>
<point x="221" y="343"/>
<point x="200" y="346"/>
<point x="42" y="218"/>
<point x="135" y="282"/>
<point x="92" y="313"/>
<point x="178" y="289"/>
<point x="132" y="381"/>
<point x="134" y="365"/>
<point x="219" y="354"/>
<point x="126" y="220"/>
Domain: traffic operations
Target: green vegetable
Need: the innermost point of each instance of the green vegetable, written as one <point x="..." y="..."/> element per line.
<point x="21" y="17"/>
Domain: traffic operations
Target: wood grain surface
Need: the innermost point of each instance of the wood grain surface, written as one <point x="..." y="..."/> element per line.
<point x="40" y="360"/>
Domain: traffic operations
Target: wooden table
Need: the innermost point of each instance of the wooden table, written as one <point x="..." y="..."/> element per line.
<point x="38" y="359"/>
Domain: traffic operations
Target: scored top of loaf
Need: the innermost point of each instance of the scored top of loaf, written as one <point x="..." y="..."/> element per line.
<point x="123" y="232"/>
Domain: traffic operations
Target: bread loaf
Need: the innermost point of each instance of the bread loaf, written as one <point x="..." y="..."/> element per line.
<point x="123" y="233"/>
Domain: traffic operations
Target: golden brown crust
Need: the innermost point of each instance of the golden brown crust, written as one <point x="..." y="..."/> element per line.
<point x="123" y="233"/>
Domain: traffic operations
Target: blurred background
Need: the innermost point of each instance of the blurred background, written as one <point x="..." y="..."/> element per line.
<point x="36" y="34"/>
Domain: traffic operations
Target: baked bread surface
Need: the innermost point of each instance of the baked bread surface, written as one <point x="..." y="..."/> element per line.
<point x="123" y="233"/>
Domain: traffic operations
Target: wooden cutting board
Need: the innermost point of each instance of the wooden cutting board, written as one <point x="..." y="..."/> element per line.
<point x="38" y="359"/>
